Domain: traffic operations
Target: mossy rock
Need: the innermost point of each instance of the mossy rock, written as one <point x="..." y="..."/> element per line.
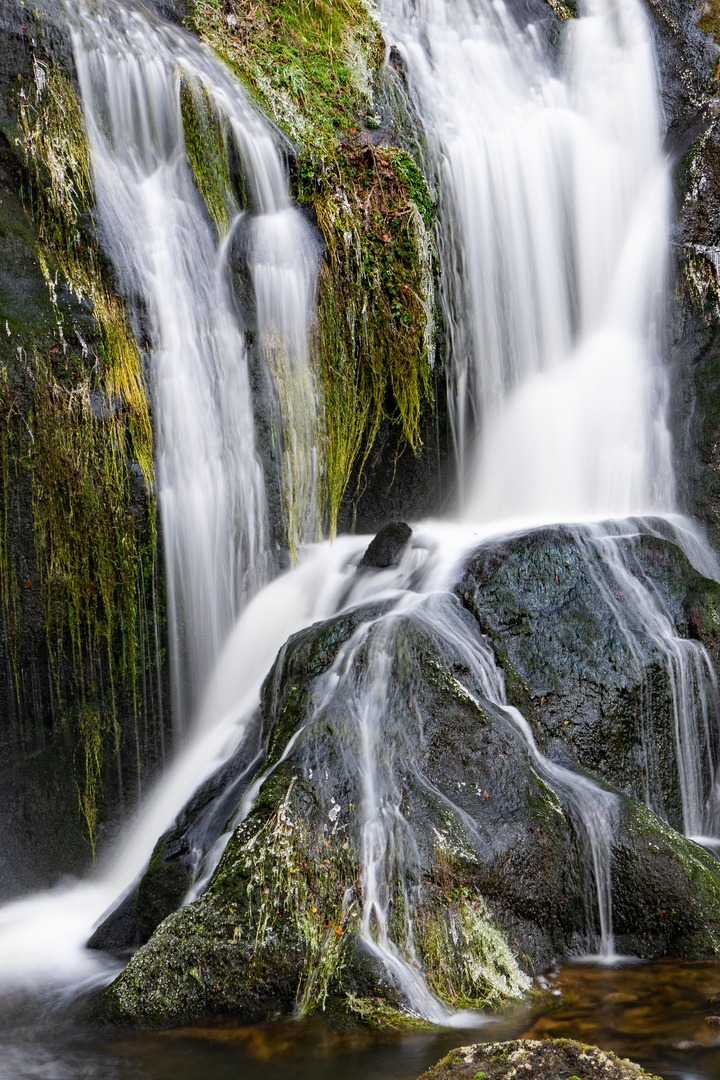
<point x="529" y="1059"/>
<point x="78" y="574"/>
<point x="490" y="877"/>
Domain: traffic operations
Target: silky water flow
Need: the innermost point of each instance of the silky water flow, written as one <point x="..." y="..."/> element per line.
<point x="165" y="249"/>
<point x="552" y="234"/>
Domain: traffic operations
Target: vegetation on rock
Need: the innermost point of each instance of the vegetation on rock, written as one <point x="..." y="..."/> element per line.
<point x="87" y="427"/>
<point x="313" y="68"/>
<point x="528" y="1059"/>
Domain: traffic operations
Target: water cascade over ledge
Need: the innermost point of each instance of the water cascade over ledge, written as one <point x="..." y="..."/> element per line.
<point x="134" y="72"/>
<point x="552" y="238"/>
<point x="553" y="235"/>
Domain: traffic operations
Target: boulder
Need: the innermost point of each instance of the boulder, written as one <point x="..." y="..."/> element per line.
<point x="388" y="547"/>
<point x="387" y="743"/>
<point x="592" y="627"/>
<point x="528" y="1059"/>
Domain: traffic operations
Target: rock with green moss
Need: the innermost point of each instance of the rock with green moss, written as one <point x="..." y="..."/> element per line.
<point x="317" y="70"/>
<point x="485" y="871"/>
<point x="80" y="585"/>
<point x="528" y="1059"/>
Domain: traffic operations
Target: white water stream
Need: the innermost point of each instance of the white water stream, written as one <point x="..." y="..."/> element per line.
<point x="165" y="249"/>
<point x="553" y="234"/>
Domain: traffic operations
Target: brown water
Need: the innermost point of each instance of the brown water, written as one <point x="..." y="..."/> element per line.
<point x="653" y="1013"/>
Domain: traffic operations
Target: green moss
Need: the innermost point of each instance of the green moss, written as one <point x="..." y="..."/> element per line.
<point x="312" y="67"/>
<point x="683" y="174"/>
<point x="375" y="306"/>
<point x="564" y="10"/>
<point x="378" y="1013"/>
<point x="709" y="21"/>
<point x="466" y="957"/>
<point x="291" y="878"/>
<point x="90" y="420"/>
<point x="206" y="146"/>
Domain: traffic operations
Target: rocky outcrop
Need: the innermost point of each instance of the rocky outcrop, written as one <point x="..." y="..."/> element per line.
<point x="386" y="728"/>
<point x="582" y="623"/>
<point x="81" y="625"/>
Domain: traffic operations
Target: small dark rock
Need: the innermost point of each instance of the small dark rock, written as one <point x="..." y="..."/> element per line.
<point x="118" y="932"/>
<point x="388" y="547"/>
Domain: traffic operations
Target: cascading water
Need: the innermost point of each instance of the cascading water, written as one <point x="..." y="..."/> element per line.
<point x="643" y="614"/>
<point x="553" y="230"/>
<point x="553" y="235"/>
<point x="165" y="249"/>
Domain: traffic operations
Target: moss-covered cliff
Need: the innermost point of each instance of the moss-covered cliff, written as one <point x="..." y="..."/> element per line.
<point x="82" y="640"/>
<point x="317" y="70"/>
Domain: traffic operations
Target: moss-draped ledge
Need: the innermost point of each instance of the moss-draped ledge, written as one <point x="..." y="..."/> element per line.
<point x="315" y="68"/>
<point x="76" y="452"/>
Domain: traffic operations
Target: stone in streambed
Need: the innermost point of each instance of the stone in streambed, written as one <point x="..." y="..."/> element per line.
<point x="388" y="547"/>
<point x="529" y="1059"/>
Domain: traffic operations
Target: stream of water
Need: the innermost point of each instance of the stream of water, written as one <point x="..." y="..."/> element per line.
<point x="552" y="234"/>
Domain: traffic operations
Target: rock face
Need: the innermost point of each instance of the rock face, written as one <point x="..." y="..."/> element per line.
<point x="81" y="672"/>
<point x="387" y="744"/>
<point x="527" y="1059"/>
<point x="585" y="625"/>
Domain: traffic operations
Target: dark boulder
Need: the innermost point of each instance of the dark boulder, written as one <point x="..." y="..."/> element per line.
<point x="485" y="864"/>
<point x="592" y="627"/>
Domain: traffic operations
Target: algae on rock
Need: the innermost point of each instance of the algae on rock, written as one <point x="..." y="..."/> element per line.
<point x="86" y="444"/>
<point x="313" y="68"/>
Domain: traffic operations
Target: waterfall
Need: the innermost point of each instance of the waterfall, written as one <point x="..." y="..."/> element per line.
<point x="171" y="264"/>
<point x="553" y="232"/>
<point x="552" y="236"/>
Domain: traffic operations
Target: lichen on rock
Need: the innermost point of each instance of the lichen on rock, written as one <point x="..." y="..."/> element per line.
<point x="529" y="1059"/>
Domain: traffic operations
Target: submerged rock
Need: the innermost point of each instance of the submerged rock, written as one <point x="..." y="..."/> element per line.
<point x="528" y="1059"/>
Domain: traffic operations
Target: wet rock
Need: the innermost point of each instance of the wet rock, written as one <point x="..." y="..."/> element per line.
<point x="562" y="607"/>
<point x="527" y="1059"/>
<point x="178" y="853"/>
<point x="388" y="547"/>
<point x="487" y="859"/>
